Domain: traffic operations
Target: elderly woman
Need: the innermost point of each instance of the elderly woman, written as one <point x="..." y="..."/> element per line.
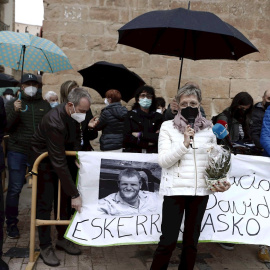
<point x="52" y="98"/>
<point x="183" y="161"/>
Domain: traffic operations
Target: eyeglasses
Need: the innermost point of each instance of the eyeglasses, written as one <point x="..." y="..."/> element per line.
<point x="191" y="104"/>
<point x="146" y="96"/>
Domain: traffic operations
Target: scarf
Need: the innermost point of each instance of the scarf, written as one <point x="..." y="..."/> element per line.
<point x="200" y="123"/>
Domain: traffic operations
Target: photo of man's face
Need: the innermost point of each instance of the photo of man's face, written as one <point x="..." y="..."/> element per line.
<point x="129" y="187"/>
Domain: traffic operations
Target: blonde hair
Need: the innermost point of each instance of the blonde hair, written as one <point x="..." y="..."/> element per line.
<point x="65" y="89"/>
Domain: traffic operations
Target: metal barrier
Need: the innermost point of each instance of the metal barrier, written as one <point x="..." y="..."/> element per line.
<point x="33" y="256"/>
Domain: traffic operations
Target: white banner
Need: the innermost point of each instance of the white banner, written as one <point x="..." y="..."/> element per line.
<point x="129" y="212"/>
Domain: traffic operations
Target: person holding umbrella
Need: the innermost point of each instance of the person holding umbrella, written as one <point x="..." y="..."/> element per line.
<point x="111" y="122"/>
<point x="182" y="183"/>
<point x="142" y="124"/>
<point x="23" y="117"/>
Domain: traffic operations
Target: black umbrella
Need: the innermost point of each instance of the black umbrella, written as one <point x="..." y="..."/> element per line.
<point x="7" y="80"/>
<point x="186" y="34"/>
<point x="103" y="76"/>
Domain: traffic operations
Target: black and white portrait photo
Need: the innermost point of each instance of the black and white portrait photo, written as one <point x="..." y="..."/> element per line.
<point x="128" y="187"/>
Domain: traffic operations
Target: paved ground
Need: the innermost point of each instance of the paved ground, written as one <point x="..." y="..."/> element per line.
<point x="210" y="255"/>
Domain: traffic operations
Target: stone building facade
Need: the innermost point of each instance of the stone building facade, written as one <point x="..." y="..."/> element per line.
<point x="28" y="28"/>
<point x="86" y="30"/>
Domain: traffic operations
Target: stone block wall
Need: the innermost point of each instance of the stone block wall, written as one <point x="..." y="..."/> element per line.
<point x="86" y="30"/>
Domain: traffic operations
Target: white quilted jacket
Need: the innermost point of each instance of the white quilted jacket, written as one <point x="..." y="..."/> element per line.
<point x="183" y="169"/>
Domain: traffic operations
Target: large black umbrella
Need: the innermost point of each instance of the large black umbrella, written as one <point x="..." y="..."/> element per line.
<point x="7" y="80"/>
<point x="103" y="76"/>
<point x="186" y="34"/>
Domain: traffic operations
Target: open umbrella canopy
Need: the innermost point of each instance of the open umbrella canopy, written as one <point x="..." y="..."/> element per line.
<point x="25" y="51"/>
<point x="103" y="76"/>
<point x="7" y="80"/>
<point x="185" y="33"/>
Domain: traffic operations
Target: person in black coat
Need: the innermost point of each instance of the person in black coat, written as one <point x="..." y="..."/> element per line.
<point x="111" y="122"/>
<point x="142" y="124"/>
<point x="3" y="122"/>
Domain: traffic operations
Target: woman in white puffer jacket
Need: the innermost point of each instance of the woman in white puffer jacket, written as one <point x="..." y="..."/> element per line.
<point x="183" y="161"/>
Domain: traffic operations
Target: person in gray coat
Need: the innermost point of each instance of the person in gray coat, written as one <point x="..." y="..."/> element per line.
<point x="111" y="122"/>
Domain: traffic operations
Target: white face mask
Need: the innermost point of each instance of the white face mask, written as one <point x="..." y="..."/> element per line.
<point x="79" y="117"/>
<point x="159" y="111"/>
<point x="9" y="97"/>
<point x="106" y="101"/>
<point x="30" y="90"/>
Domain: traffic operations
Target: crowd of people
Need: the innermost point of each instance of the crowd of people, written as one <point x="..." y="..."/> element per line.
<point x="38" y="123"/>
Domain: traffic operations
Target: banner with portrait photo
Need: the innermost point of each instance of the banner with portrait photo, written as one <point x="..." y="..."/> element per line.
<point x="121" y="204"/>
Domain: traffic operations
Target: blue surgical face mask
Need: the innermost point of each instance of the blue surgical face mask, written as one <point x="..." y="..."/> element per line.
<point x="54" y="104"/>
<point x="145" y="103"/>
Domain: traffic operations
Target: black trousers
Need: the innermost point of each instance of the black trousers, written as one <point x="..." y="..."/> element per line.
<point x="47" y="195"/>
<point x="172" y="215"/>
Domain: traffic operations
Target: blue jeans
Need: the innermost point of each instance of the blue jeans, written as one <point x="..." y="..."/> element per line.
<point x="17" y="164"/>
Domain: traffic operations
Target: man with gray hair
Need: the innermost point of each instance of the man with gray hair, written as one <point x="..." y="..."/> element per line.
<point x="59" y="131"/>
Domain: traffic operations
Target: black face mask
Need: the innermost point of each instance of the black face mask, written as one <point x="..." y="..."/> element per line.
<point x="190" y="114"/>
<point x="266" y="105"/>
<point x="240" y="114"/>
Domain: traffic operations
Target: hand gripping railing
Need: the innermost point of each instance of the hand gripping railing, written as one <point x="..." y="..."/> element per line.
<point x="33" y="256"/>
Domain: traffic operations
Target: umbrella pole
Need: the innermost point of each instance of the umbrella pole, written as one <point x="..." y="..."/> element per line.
<point x="182" y="60"/>
<point x="23" y="49"/>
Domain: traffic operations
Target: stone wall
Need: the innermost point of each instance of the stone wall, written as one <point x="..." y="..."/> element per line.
<point x="86" y="30"/>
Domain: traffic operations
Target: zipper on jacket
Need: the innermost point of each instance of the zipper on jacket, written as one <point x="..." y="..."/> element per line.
<point x="33" y="115"/>
<point x="193" y="144"/>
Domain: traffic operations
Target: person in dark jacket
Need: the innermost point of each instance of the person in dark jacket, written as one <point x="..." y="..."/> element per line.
<point x="142" y="124"/>
<point x="58" y="132"/>
<point x="3" y="122"/>
<point x="257" y="118"/>
<point x="238" y="117"/>
<point x="23" y="117"/>
<point x="88" y="135"/>
<point x="111" y="122"/>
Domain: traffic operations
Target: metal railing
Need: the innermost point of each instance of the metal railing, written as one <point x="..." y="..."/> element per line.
<point x="33" y="256"/>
